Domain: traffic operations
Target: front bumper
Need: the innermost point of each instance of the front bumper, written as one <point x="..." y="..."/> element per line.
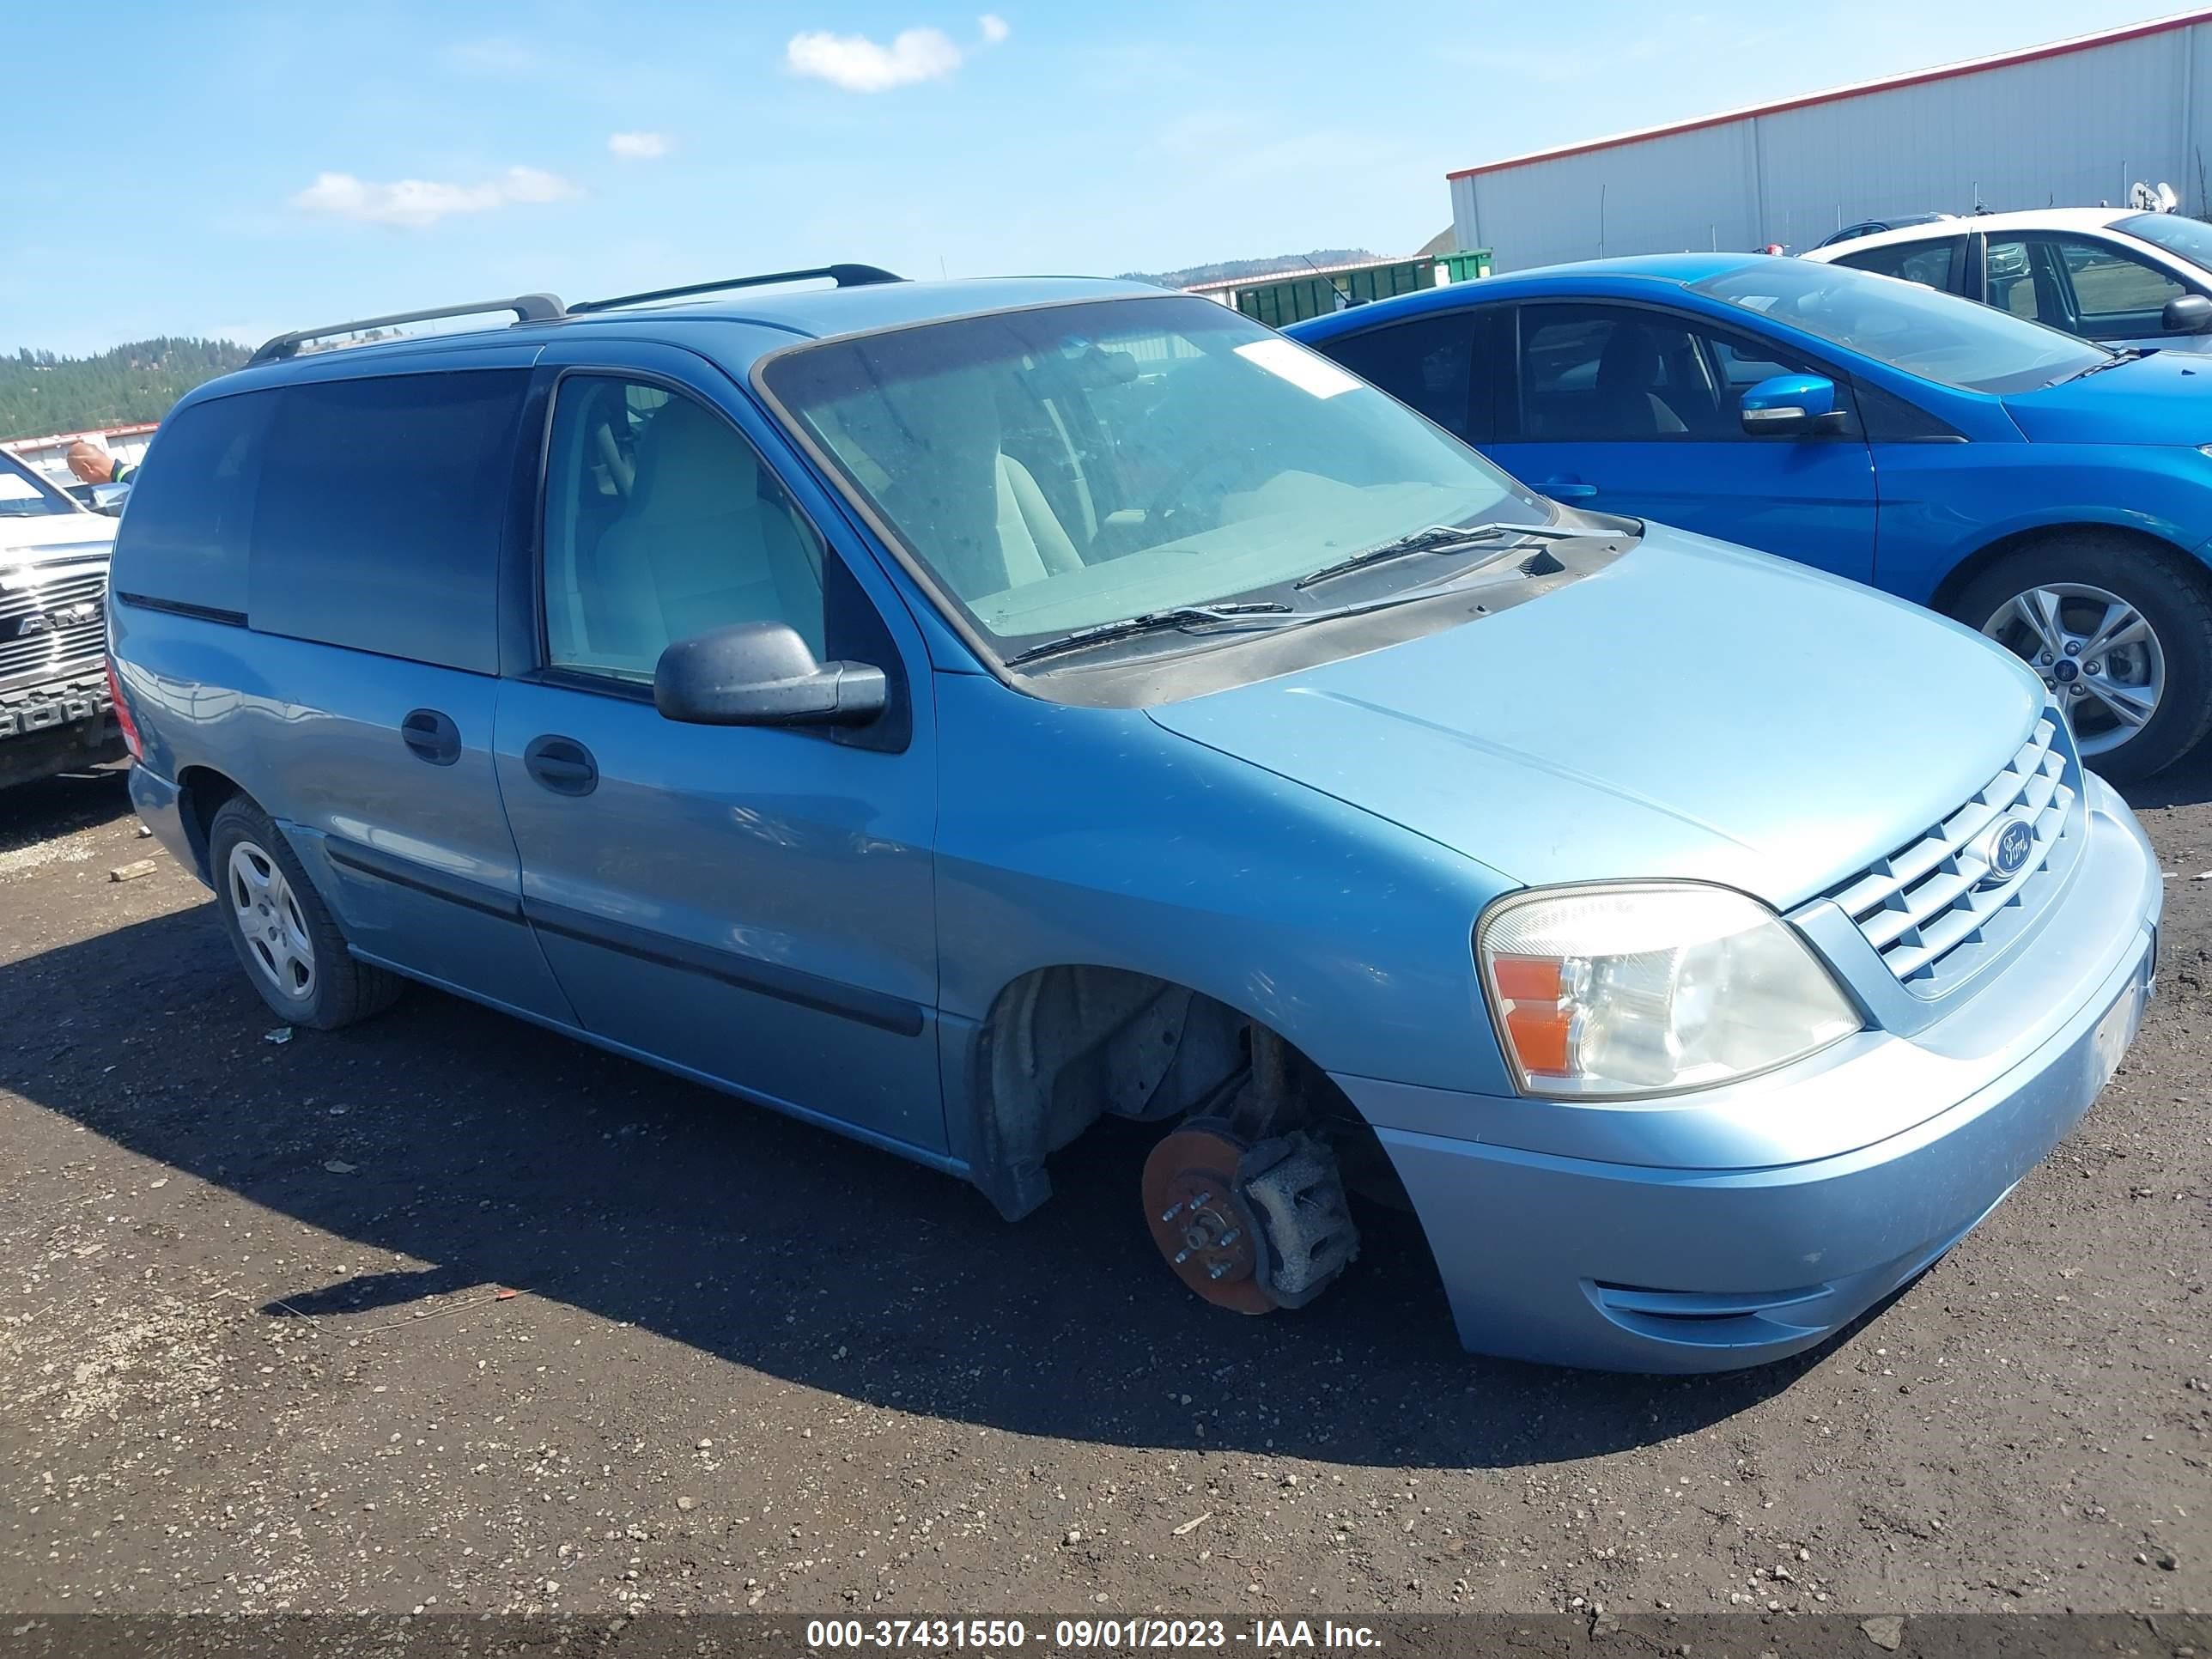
<point x="57" y="725"/>
<point x="1672" y="1237"/>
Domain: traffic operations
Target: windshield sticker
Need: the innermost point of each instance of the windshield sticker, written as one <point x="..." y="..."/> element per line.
<point x="1301" y="367"/>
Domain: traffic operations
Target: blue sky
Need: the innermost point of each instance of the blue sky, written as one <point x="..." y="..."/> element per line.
<point x="238" y="169"/>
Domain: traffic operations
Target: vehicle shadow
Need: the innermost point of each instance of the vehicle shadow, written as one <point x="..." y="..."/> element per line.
<point x="494" y="1152"/>
<point x="33" y="813"/>
<point x="2187" y="782"/>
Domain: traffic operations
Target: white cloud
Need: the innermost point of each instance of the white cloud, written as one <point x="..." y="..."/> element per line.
<point x="638" y="146"/>
<point x="417" y="202"/>
<point x="860" y="65"/>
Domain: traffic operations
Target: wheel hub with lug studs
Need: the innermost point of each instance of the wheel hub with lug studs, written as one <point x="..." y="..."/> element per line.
<point x="1203" y="1230"/>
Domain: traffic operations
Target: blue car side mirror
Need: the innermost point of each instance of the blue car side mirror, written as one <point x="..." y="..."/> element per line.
<point x="1792" y="404"/>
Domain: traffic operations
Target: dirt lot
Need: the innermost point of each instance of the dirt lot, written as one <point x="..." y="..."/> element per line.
<point x="256" y="1351"/>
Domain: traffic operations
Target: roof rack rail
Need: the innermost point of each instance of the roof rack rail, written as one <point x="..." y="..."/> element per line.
<point x="526" y="307"/>
<point x="843" y="275"/>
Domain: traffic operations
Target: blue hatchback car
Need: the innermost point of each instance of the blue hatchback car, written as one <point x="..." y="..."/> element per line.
<point x="953" y="714"/>
<point x="2055" y="494"/>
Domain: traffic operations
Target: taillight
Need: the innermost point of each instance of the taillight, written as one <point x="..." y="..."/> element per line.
<point x="123" y="714"/>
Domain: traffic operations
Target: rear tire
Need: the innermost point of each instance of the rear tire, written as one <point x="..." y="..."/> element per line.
<point x="2049" y="602"/>
<point x="287" y="941"/>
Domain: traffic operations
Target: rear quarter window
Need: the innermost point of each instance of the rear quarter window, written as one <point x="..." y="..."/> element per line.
<point x="379" y="511"/>
<point x="1433" y="363"/>
<point x="184" y="541"/>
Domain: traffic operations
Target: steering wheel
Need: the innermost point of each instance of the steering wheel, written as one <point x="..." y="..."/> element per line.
<point x="1166" y="501"/>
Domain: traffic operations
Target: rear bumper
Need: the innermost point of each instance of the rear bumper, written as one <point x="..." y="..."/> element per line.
<point x="1704" y="1263"/>
<point x="160" y="806"/>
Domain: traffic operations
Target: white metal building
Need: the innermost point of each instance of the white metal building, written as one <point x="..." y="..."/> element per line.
<point x="2072" y="123"/>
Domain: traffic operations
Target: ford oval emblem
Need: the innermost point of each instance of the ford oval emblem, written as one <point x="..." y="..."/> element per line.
<point x="2007" y="848"/>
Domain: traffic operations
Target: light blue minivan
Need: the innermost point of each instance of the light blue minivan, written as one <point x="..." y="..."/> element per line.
<point x="954" y="713"/>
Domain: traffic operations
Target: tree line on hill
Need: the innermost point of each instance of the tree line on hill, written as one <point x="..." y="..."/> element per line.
<point x="1228" y="270"/>
<point x="42" y="391"/>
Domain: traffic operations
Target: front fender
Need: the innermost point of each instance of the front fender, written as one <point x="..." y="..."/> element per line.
<point x="1091" y="837"/>
<point x="1941" y="505"/>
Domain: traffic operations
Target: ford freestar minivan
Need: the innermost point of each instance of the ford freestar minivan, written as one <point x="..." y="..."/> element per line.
<point x="952" y="713"/>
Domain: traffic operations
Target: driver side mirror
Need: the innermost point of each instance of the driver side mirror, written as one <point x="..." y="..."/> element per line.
<point x="109" y="498"/>
<point x="2187" y="313"/>
<point x="1792" y="404"/>
<point x="761" y="673"/>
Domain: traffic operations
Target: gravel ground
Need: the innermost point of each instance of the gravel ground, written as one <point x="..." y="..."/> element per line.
<point x="445" y="1312"/>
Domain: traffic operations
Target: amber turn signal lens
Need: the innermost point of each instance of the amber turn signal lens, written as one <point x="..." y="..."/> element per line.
<point x="1542" y="1036"/>
<point x="1527" y="979"/>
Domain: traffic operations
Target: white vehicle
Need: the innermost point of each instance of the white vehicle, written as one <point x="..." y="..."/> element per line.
<point x="2116" y="274"/>
<point x="56" y="711"/>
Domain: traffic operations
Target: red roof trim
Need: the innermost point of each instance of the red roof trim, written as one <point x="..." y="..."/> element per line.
<point x="1866" y="88"/>
<point x="133" y="430"/>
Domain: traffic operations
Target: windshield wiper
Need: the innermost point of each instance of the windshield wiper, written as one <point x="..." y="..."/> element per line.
<point x="1183" y="616"/>
<point x="1444" y="538"/>
<point x="2123" y="354"/>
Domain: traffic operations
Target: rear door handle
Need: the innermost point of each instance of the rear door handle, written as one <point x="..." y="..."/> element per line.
<point x="431" y="736"/>
<point x="1567" y="489"/>
<point x="561" y="764"/>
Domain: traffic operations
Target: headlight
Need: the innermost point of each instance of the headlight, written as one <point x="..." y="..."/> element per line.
<point x="1648" y="987"/>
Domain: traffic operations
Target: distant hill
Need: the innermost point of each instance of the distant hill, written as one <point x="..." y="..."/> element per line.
<point x="42" y="392"/>
<point x="1230" y="270"/>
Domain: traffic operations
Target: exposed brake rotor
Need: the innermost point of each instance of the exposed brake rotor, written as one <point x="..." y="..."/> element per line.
<point x="1199" y="1220"/>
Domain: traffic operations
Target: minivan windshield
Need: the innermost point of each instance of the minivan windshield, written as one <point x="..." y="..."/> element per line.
<point x="1937" y="336"/>
<point x="1061" y="467"/>
<point x="2176" y="232"/>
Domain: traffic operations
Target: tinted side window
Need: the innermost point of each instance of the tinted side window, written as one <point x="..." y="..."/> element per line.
<point x="1428" y="363"/>
<point x="1607" y="374"/>
<point x="380" y="510"/>
<point x="1932" y="264"/>
<point x="183" y="540"/>
<point x="662" y="523"/>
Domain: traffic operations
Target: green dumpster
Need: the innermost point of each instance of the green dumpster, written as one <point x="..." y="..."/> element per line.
<point x="1293" y="297"/>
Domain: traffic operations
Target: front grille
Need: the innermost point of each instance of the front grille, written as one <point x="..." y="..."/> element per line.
<point x="67" y="629"/>
<point x="1933" y="910"/>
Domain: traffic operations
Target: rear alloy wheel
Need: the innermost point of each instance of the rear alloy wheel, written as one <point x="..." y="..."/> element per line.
<point x="266" y="913"/>
<point x="287" y="941"/>
<point x="2121" y="637"/>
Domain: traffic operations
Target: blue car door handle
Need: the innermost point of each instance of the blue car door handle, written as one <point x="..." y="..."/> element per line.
<point x="431" y="736"/>
<point x="1567" y="489"/>
<point x="562" y="765"/>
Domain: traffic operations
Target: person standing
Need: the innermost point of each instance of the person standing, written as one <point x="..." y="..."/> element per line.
<point x="95" y="466"/>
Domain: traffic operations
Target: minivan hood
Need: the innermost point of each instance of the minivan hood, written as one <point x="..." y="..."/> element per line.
<point x="1691" y="710"/>
<point x="2163" y="399"/>
<point x="58" y="535"/>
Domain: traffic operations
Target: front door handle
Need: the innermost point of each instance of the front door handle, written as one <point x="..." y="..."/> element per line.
<point x="431" y="736"/>
<point x="561" y="764"/>
<point x="1567" y="489"/>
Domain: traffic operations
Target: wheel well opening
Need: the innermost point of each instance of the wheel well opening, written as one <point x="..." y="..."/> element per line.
<point x="1064" y="1047"/>
<point x="1970" y="569"/>
<point x="202" y="791"/>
